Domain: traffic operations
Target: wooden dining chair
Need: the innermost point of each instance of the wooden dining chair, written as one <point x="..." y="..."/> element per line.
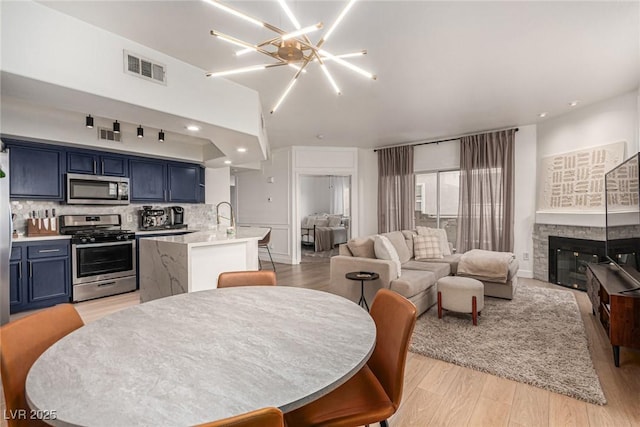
<point x="264" y="243"/>
<point x="246" y="278"/>
<point x="373" y="394"/>
<point x="21" y="343"/>
<point x="266" y="417"/>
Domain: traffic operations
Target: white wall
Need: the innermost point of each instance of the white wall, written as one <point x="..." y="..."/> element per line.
<point x="38" y="123"/>
<point x="261" y="203"/>
<point x="368" y="192"/>
<point x="609" y="121"/>
<point x="217" y="185"/>
<point x="314" y="195"/>
<point x="525" y="198"/>
<point x="46" y="45"/>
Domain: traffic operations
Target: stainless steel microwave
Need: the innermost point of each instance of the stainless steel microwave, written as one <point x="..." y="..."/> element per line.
<point x="97" y="190"/>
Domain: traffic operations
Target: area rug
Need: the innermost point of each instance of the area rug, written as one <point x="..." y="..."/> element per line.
<point x="537" y="338"/>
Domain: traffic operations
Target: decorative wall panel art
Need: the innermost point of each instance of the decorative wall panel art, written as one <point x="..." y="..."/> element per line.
<point x="574" y="181"/>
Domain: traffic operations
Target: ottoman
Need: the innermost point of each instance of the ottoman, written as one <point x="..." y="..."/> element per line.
<point x="461" y="294"/>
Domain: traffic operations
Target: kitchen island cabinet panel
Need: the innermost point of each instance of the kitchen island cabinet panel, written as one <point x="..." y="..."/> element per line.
<point x="148" y="180"/>
<point x="36" y="172"/>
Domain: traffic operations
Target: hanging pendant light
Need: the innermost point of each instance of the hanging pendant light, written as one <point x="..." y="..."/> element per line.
<point x="140" y="131"/>
<point x="161" y="136"/>
<point x="88" y="121"/>
<point x="116" y="127"/>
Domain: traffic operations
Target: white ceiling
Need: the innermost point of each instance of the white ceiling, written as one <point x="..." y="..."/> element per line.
<point x="444" y="68"/>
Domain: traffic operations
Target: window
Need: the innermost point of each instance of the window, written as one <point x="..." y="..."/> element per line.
<point x="437" y="195"/>
<point x="419" y="197"/>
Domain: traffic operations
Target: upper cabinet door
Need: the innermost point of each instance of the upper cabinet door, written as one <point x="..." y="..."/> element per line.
<point x="184" y="183"/>
<point x="36" y="172"/>
<point x="201" y="195"/>
<point x="97" y="164"/>
<point x="147" y="180"/>
<point x="114" y="165"/>
<point x="80" y="162"/>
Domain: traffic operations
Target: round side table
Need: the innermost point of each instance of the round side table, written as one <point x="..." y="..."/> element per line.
<point x="362" y="276"/>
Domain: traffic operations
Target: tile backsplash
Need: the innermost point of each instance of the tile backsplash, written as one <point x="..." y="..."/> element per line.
<point x="197" y="216"/>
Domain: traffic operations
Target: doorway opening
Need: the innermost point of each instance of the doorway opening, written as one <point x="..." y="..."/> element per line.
<point x="325" y="215"/>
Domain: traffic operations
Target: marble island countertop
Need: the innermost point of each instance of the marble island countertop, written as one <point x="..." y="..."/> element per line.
<point x="214" y="237"/>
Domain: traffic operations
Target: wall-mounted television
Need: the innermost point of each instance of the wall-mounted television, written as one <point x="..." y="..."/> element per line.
<point x="622" y="196"/>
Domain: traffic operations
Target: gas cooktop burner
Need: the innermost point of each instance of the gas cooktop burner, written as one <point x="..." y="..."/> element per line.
<point x="94" y="228"/>
<point x="97" y="232"/>
<point x="100" y="236"/>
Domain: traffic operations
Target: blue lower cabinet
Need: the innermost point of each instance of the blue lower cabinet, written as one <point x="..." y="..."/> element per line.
<point x="48" y="280"/>
<point x="39" y="274"/>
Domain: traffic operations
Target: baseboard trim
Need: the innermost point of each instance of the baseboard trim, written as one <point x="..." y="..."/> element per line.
<point x="527" y="274"/>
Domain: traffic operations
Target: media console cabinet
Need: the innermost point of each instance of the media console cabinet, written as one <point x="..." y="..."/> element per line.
<point x="618" y="312"/>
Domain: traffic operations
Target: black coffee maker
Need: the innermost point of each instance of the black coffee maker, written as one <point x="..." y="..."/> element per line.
<point x="177" y="215"/>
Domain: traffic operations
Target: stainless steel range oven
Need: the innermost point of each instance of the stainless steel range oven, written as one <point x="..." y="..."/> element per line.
<point x="103" y="256"/>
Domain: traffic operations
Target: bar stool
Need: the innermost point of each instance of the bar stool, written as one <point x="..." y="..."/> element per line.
<point x="264" y="243"/>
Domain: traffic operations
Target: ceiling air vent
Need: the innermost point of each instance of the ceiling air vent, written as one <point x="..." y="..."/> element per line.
<point x="107" y="134"/>
<point x="145" y="68"/>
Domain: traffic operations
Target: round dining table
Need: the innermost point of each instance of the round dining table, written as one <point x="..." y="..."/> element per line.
<point x="202" y="356"/>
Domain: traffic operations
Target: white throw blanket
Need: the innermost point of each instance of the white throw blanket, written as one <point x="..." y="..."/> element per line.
<point x="490" y="265"/>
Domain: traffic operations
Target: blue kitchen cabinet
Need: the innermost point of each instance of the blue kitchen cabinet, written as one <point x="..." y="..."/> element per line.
<point x="184" y="183"/>
<point x="48" y="280"/>
<point x="93" y="163"/>
<point x="148" y="180"/>
<point x="158" y="181"/>
<point x="201" y="174"/>
<point x="36" y="171"/>
<point x="16" y="283"/>
<point x="39" y="274"/>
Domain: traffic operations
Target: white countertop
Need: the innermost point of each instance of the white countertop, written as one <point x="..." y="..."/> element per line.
<point x="213" y="237"/>
<point x="166" y="231"/>
<point x="27" y="239"/>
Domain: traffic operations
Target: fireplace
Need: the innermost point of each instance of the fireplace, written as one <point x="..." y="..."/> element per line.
<point x="568" y="260"/>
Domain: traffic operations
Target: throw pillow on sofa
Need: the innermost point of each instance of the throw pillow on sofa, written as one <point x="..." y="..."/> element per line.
<point x="440" y="233"/>
<point x="362" y="247"/>
<point x="426" y="247"/>
<point x="334" y="220"/>
<point x="385" y="250"/>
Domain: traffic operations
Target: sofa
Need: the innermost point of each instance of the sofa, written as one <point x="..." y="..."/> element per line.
<point x="417" y="279"/>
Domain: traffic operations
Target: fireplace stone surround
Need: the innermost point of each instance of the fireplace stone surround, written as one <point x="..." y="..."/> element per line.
<point x="541" y="233"/>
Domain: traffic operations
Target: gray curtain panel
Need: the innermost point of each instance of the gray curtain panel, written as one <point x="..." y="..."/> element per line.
<point x="396" y="189"/>
<point x="485" y="211"/>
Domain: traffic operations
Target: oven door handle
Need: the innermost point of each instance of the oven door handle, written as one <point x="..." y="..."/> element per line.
<point x="94" y="245"/>
<point x="107" y="284"/>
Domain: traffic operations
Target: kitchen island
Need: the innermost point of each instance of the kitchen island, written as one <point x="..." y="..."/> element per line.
<point x="172" y="265"/>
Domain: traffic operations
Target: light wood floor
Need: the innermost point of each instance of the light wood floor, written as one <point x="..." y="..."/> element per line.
<point x="441" y="394"/>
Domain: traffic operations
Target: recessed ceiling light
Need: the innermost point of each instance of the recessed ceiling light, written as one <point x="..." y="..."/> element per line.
<point x="542" y="115"/>
<point x="227" y="162"/>
<point x="320" y="136"/>
<point x="242" y="150"/>
<point x="193" y="128"/>
<point x="573" y="103"/>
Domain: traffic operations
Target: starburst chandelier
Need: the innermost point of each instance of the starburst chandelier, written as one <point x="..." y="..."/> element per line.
<point x="293" y="49"/>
